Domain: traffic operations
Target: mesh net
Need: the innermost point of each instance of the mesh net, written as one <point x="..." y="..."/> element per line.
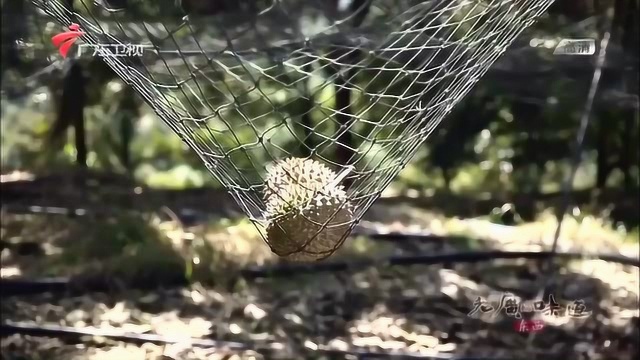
<point x="344" y="90"/>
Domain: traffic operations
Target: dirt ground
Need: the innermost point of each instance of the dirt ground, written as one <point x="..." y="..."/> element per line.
<point x="419" y="310"/>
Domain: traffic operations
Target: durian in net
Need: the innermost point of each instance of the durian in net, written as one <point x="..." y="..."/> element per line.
<point x="308" y="213"/>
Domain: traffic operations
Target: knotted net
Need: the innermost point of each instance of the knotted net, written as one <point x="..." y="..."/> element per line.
<point x="305" y="110"/>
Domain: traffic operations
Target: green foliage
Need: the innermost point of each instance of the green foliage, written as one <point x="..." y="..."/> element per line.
<point x="125" y="235"/>
<point x="131" y="247"/>
<point x="634" y="235"/>
<point x="501" y="138"/>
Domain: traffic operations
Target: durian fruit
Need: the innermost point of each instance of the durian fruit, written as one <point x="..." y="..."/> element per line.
<point x="301" y="196"/>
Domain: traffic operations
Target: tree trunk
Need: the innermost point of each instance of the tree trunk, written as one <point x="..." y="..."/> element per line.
<point x="345" y="151"/>
<point x="71" y="112"/>
<point x="13" y="29"/>
<point x="345" y="146"/>
<point x="75" y="96"/>
<point x="305" y="119"/>
<point x="603" y="169"/>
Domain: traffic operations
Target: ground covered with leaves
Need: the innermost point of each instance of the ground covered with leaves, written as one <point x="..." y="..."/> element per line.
<point x="418" y="310"/>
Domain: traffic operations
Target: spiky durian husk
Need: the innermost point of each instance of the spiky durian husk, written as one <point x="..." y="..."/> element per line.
<point x="288" y="234"/>
<point x="305" y="207"/>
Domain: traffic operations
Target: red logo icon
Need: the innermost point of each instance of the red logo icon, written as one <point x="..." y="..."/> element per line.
<point x="65" y="40"/>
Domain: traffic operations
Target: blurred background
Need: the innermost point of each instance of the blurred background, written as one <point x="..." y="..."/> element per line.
<point x="110" y="222"/>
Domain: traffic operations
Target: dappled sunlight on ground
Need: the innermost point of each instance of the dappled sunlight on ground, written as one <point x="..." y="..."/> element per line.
<point x="72" y="245"/>
<point x="423" y="309"/>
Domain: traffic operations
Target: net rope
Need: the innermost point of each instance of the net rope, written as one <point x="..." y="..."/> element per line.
<point x="355" y="85"/>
